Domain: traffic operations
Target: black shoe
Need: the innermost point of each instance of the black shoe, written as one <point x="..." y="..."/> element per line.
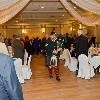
<point x="57" y="78"/>
<point x="50" y="76"/>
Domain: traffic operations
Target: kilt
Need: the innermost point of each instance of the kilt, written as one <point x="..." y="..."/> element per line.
<point x="47" y="60"/>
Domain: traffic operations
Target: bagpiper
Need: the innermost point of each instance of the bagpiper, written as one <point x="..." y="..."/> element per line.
<point x="53" y="48"/>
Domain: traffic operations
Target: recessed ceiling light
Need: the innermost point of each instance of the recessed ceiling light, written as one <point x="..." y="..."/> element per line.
<point x="16" y="21"/>
<point x="63" y="15"/>
<point x="74" y="7"/>
<point x="42" y="7"/>
<point x="56" y="20"/>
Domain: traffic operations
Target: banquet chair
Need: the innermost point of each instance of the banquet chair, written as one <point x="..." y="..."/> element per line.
<point x="71" y="62"/>
<point x="26" y="70"/>
<point x="95" y="62"/>
<point x="86" y="70"/>
<point x="25" y="57"/>
<point x="66" y="56"/>
<point x="61" y="55"/>
<point x="29" y="61"/>
<point x="22" y="71"/>
<point x="18" y="68"/>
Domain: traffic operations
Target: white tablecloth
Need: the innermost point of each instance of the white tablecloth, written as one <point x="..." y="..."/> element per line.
<point x="94" y="61"/>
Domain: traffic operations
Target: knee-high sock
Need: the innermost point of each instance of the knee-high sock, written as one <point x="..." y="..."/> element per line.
<point x="50" y="70"/>
<point x="56" y="70"/>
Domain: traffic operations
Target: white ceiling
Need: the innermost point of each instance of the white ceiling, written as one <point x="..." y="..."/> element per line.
<point x="52" y="13"/>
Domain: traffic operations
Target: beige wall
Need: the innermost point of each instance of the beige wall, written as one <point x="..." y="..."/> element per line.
<point x="94" y="31"/>
<point x="34" y="31"/>
<point x="97" y="33"/>
<point x="37" y="31"/>
<point x="10" y="32"/>
<point x="3" y="31"/>
<point x="67" y="29"/>
<point x="49" y="29"/>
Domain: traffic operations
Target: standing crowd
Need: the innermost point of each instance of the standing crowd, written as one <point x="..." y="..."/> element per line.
<point x="50" y="46"/>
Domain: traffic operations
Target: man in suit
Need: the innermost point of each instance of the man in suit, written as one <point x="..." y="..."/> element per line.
<point x="18" y="49"/>
<point x="10" y="88"/>
<point x="81" y="45"/>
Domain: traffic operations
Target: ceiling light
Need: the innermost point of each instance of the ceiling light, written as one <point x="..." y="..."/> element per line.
<point x="43" y="30"/>
<point x="56" y="20"/>
<point x="80" y="26"/>
<point x="24" y="31"/>
<point x="63" y="15"/>
<point x="42" y="7"/>
<point x="71" y="28"/>
<point x="74" y="7"/>
<point x="16" y="21"/>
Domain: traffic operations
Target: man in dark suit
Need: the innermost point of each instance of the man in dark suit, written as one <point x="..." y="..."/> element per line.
<point x="81" y="44"/>
<point x="18" y="49"/>
<point x="10" y="88"/>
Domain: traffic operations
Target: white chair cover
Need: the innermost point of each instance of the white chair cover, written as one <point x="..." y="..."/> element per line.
<point x="95" y="61"/>
<point x="25" y="57"/>
<point x="18" y="68"/>
<point x="66" y="54"/>
<point x="66" y="57"/>
<point x="61" y="55"/>
<point x="29" y="61"/>
<point x="26" y="72"/>
<point x="85" y="69"/>
<point x="31" y="57"/>
<point x="71" y="62"/>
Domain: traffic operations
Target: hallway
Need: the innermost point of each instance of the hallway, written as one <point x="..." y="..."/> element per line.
<point x="41" y="87"/>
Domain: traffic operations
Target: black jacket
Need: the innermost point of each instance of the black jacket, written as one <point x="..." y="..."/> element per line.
<point x="81" y="45"/>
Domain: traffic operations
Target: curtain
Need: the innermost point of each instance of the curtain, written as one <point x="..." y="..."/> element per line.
<point x="9" y="8"/>
<point x="87" y="20"/>
<point x="4" y="4"/>
<point x="90" y="5"/>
